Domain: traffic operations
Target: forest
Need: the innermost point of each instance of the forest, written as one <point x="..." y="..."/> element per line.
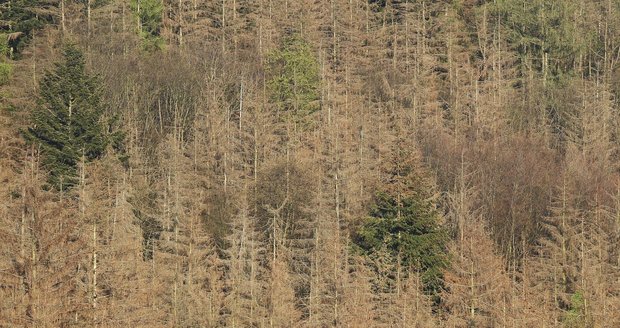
<point x="310" y="163"/>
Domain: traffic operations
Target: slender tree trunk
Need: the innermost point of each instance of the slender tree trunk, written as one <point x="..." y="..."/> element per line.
<point x="88" y="15"/>
<point x="62" y="16"/>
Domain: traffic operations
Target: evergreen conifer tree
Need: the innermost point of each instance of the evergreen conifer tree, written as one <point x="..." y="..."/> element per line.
<point x="410" y="231"/>
<point x="20" y="18"/>
<point x="149" y="16"/>
<point x="67" y="122"/>
<point x="404" y="222"/>
<point x="295" y="77"/>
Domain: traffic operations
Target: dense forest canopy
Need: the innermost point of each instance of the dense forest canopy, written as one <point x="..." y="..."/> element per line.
<point x="335" y="163"/>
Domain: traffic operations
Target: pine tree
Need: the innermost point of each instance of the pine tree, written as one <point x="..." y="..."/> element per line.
<point x="404" y="222"/>
<point x="19" y="19"/>
<point x="149" y="16"/>
<point x="295" y="77"/>
<point x="68" y="122"/>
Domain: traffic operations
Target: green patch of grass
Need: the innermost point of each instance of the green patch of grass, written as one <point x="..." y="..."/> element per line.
<point x="6" y="70"/>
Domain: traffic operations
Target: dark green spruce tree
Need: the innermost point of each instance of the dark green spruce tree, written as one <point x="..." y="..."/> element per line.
<point x="67" y="123"/>
<point x="404" y="222"/>
<point x="295" y="78"/>
<point x="20" y="18"/>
